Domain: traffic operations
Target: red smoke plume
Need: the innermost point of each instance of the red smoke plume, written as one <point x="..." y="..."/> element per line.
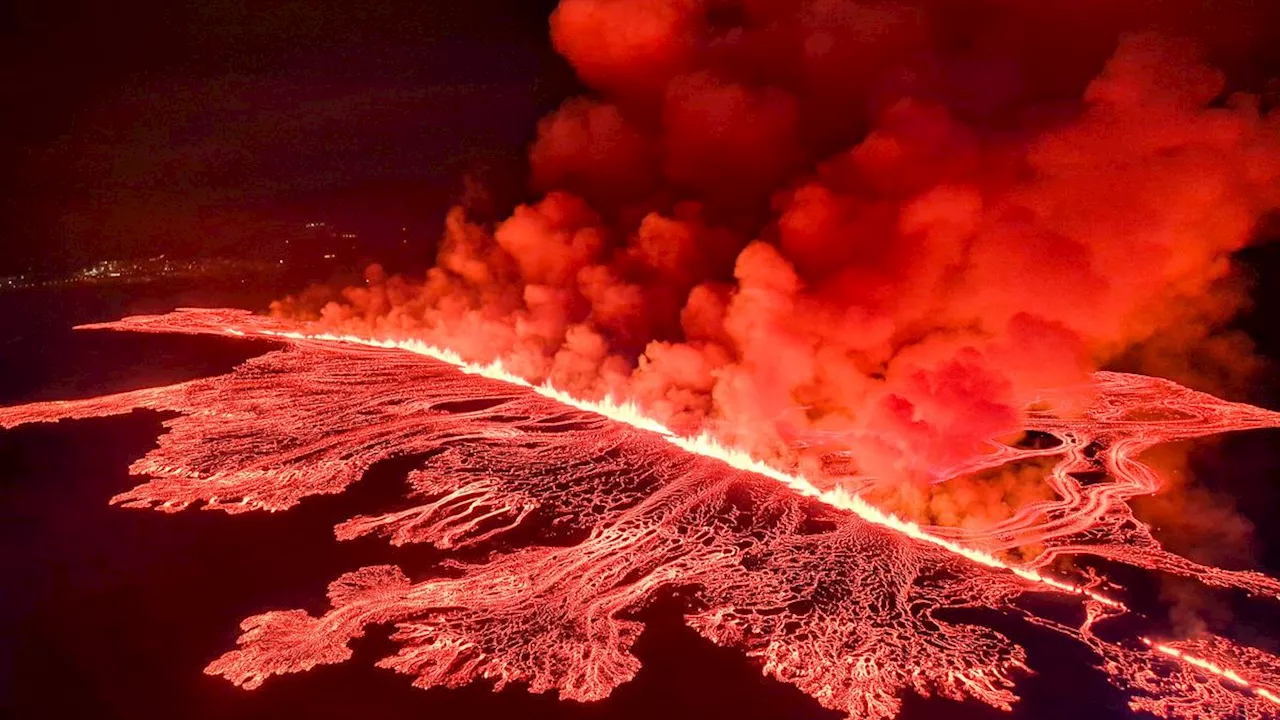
<point x="823" y="228"/>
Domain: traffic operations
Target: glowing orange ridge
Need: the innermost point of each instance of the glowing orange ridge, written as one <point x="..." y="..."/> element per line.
<point x="1213" y="669"/>
<point x="706" y="446"/>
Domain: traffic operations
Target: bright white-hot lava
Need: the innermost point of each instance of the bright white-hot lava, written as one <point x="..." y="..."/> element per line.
<point x="828" y="592"/>
<point x="705" y="446"/>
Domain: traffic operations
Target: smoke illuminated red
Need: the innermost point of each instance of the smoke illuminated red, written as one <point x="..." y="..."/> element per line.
<point x="804" y="228"/>
<point x="824" y="590"/>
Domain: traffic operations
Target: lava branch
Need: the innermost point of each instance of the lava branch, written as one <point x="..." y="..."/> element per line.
<point x="1215" y="669"/>
<point x="705" y="446"/>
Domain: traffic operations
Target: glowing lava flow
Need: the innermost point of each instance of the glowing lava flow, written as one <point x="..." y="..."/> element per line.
<point x="1213" y="668"/>
<point x="708" y="447"/>
<point x="829" y="593"/>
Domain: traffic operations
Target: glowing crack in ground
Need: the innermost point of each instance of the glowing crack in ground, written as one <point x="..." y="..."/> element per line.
<point x="829" y="593"/>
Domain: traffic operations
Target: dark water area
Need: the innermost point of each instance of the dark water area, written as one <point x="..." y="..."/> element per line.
<point x="113" y="613"/>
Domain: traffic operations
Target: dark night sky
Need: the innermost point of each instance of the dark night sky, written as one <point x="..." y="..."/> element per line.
<point x="209" y="127"/>
<point x="201" y="126"/>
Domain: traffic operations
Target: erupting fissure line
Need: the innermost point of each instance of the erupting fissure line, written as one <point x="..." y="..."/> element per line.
<point x="706" y="446"/>
<point x="1213" y="669"/>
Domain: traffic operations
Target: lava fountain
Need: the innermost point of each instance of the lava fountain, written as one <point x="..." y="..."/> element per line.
<point x="822" y="589"/>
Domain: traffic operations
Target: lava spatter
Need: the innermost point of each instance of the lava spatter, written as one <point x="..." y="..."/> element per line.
<point x="826" y="591"/>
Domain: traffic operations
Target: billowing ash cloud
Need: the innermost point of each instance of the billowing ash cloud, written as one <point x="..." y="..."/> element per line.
<point x="871" y="229"/>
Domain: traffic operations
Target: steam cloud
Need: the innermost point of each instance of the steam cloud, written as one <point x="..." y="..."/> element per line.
<point x="861" y="236"/>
